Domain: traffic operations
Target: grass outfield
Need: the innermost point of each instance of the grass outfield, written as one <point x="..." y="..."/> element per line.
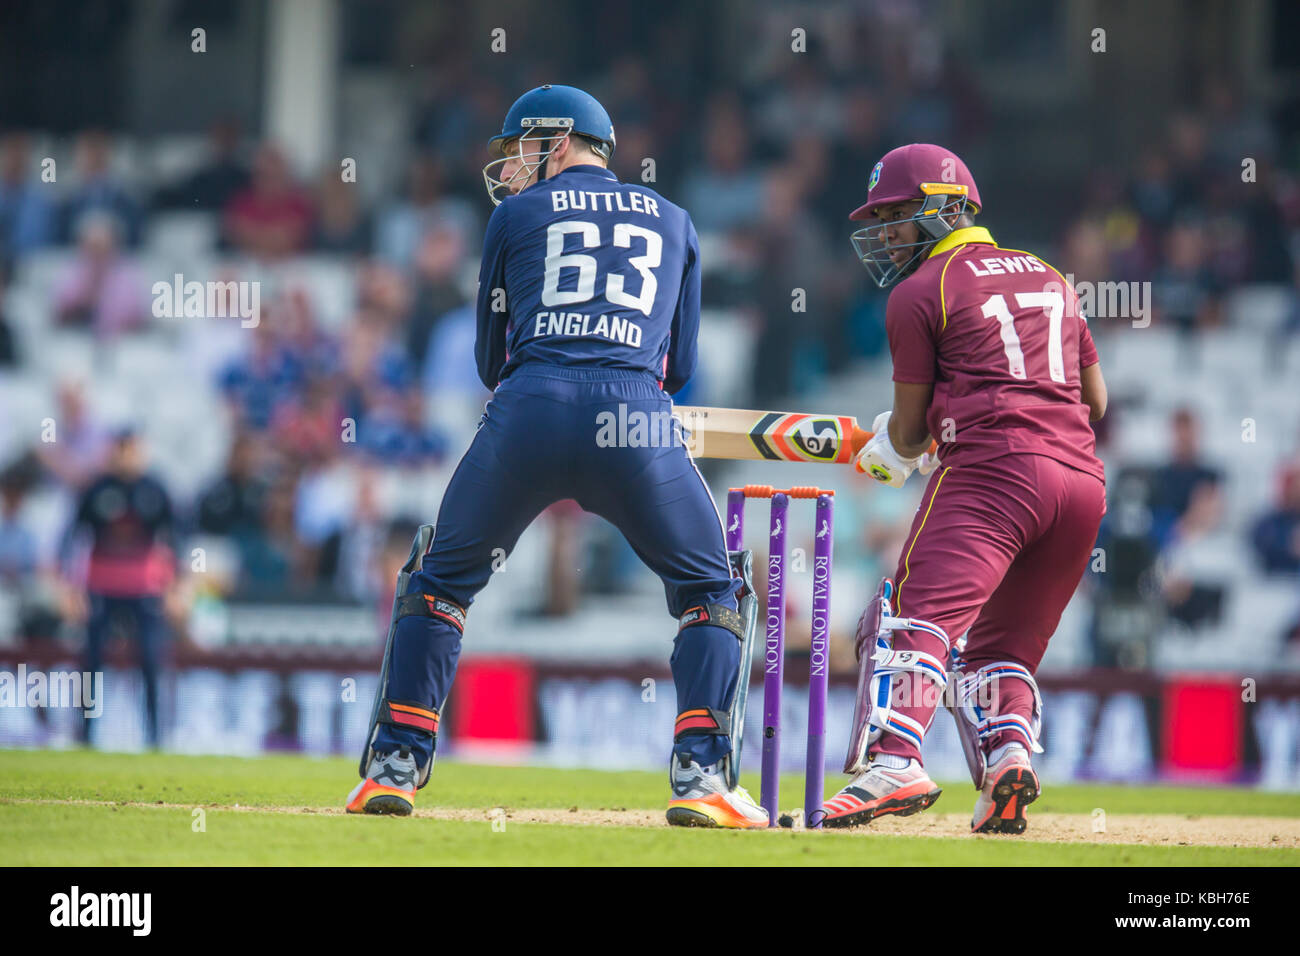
<point x="84" y="808"/>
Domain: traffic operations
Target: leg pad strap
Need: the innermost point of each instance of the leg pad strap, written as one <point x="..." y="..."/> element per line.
<point x="718" y="614"/>
<point x="402" y="713"/>
<point x="988" y="724"/>
<point x="701" y="721"/>
<point x="878" y="662"/>
<point x="427" y="605"/>
<point x="976" y="721"/>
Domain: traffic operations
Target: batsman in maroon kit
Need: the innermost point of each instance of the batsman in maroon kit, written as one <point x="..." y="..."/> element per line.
<point x="993" y="359"/>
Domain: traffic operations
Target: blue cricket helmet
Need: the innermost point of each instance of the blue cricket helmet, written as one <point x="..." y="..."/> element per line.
<point x="560" y="108"/>
<point x="547" y="113"/>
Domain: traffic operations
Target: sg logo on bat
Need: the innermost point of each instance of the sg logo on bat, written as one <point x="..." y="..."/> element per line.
<point x="801" y="437"/>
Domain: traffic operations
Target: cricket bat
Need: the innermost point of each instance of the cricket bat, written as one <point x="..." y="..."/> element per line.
<point x="746" y="434"/>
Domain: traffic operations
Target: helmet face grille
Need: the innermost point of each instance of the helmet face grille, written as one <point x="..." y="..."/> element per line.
<point x="877" y="252"/>
<point x="499" y="188"/>
<point x="547" y="112"/>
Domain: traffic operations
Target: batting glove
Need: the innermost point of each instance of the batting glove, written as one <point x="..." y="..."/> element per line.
<point x="879" y="459"/>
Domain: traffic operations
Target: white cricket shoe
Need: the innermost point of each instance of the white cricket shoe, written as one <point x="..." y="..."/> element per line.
<point x="1010" y="785"/>
<point x="701" y="799"/>
<point x="389" y="786"/>
<point x="890" y="785"/>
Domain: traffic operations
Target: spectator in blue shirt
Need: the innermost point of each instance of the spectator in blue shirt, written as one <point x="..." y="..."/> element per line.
<point x="1277" y="532"/>
<point x="27" y="215"/>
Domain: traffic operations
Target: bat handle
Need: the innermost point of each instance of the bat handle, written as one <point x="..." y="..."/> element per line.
<point x="861" y="437"/>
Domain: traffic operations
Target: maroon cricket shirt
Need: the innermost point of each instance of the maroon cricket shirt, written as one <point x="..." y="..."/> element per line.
<point x="1000" y="334"/>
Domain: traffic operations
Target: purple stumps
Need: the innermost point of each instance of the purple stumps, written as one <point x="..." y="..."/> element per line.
<point x="819" y="662"/>
<point x="774" y="658"/>
<point x="735" y="519"/>
<point x="778" y="585"/>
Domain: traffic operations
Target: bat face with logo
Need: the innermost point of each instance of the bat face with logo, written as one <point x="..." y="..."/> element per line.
<point x="746" y="434"/>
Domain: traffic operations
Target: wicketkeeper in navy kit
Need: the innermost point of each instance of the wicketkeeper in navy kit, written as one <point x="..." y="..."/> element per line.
<point x="588" y="300"/>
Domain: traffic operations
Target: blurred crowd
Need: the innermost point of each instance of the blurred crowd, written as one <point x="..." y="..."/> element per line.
<point x="768" y="164"/>
<point x="1172" y="557"/>
<point x="299" y="398"/>
<point x="1208" y="206"/>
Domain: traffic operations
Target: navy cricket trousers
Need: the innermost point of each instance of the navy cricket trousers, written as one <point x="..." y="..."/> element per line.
<point x="552" y="433"/>
<point x="149" y="630"/>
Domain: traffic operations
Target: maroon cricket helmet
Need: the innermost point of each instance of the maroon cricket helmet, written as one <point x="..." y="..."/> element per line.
<point x="916" y="171"/>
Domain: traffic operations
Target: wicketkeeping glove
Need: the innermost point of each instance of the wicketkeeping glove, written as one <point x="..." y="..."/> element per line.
<point x="879" y="459"/>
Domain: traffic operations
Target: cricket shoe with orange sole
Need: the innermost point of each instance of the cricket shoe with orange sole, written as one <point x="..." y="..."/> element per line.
<point x="890" y="785"/>
<point x="701" y="798"/>
<point x="389" y="786"/>
<point x="1010" y="785"/>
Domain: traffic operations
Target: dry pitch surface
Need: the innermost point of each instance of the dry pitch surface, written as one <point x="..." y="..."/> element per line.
<point x="75" y="807"/>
